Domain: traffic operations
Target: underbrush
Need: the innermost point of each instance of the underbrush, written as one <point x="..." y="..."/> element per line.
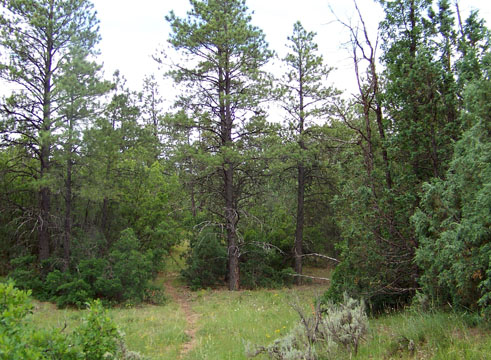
<point x="95" y="337"/>
<point x="262" y="264"/>
<point x="122" y="275"/>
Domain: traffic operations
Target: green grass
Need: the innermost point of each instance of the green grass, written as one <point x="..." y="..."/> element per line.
<point x="156" y="331"/>
<point x="437" y="335"/>
<point x="229" y="320"/>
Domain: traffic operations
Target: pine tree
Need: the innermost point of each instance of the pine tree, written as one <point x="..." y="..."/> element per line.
<point x="224" y="56"/>
<point x="39" y="38"/>
<point x="306" y="99"/>
<point x="80" y="88"/>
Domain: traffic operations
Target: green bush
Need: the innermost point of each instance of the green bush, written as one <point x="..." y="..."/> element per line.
<point x="357" y="276"/>
<point x="55" y="280"/>
<point x="89" y="283"/>
<point x="76" y="292"/>
<point x="96" y="339"/>
<point x="14" y="333"/>
<point x="262" y="266"/>
<point x="98" y="336"/>
<point x="453" y="221"/>
<point x="131" y="267"/>
<point x="18" y="340"/>
<point x="123" y="275"/>
<point x="26" y="276"/>
<point x="154" y="295"/>
<point x="98" y="273"/>
<point x="206" y="260"/>
<point x="55" y="346"/>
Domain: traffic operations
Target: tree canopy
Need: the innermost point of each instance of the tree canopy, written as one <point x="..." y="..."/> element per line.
<point x="259" y="169"/>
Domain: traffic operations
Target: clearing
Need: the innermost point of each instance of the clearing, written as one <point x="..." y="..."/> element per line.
<point x="218" y="324"/>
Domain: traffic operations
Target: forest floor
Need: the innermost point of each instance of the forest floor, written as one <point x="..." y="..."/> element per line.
<point x="216" y="324"/>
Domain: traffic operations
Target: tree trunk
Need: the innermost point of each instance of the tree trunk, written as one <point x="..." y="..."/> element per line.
<point x="193" y="202"/>
<point x="43" y="229"/>
<point x="68" y="214"/>
<point x="104" y="218"/>
<point x="380" y="125"/>
<point x="231" y="222"/>
<point x="231" y="214"/>
<point x="298" y="252"/>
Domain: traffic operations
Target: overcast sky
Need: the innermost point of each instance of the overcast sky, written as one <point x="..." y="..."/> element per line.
<point x="134" y="30"/>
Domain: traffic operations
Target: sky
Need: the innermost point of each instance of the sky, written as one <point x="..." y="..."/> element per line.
<point x="132" y="31"/>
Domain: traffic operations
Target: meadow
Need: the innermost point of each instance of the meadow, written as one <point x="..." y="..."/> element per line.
<point x="218" y="324"/>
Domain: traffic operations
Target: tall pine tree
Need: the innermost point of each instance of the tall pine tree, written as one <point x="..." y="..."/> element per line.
<point x="224" y="86"/>
<point x="306" y="99"/>
<point x="38" y="38"/>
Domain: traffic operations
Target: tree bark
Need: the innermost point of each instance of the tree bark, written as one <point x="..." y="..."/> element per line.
<point x="231" y="222"/>
<point x="43" y="236"/>
<point x="104" y="217"/>
<point x="231" y="214"/>
<point x="300" y="181"/>
<point x="68" y="220"/>
<point x="300" y="223"/>
<point x="68" y="212"/>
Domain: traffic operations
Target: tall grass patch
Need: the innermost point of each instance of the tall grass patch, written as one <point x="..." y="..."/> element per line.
<point x="434" y="335"/>
<point x="230" y="320"/>
<point x="155" y="331"/>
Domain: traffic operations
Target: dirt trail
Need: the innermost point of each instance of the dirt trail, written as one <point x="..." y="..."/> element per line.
<point x="181" y="297"/>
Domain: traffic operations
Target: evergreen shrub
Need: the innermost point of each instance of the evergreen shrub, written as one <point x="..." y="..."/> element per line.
<point x="264" y="267"/>
<point x="122" y="275"/>
<point x="26" y="275"/>
<point x="206" y="260"/>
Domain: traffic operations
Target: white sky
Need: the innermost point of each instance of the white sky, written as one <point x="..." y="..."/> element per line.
<point x="132" y="31"/>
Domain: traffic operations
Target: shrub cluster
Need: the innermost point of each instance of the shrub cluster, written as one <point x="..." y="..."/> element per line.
<point x="262" y="265"/>
<point x="96" y="338"/>
<point x="206" y="260"/>
<point x="122" y="275"/>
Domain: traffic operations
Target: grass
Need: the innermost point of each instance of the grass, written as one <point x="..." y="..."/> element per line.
<point x="229" y="320"/>
<point x="437" y="335"/>
<point x="156" y="331"/>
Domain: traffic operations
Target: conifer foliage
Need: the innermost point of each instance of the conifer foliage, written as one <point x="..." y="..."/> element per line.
<point x="224" y="56"/>
<point x="98" y="182"/>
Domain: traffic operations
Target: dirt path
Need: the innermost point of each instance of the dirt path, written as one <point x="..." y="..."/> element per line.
<point x="181" y="297"/>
